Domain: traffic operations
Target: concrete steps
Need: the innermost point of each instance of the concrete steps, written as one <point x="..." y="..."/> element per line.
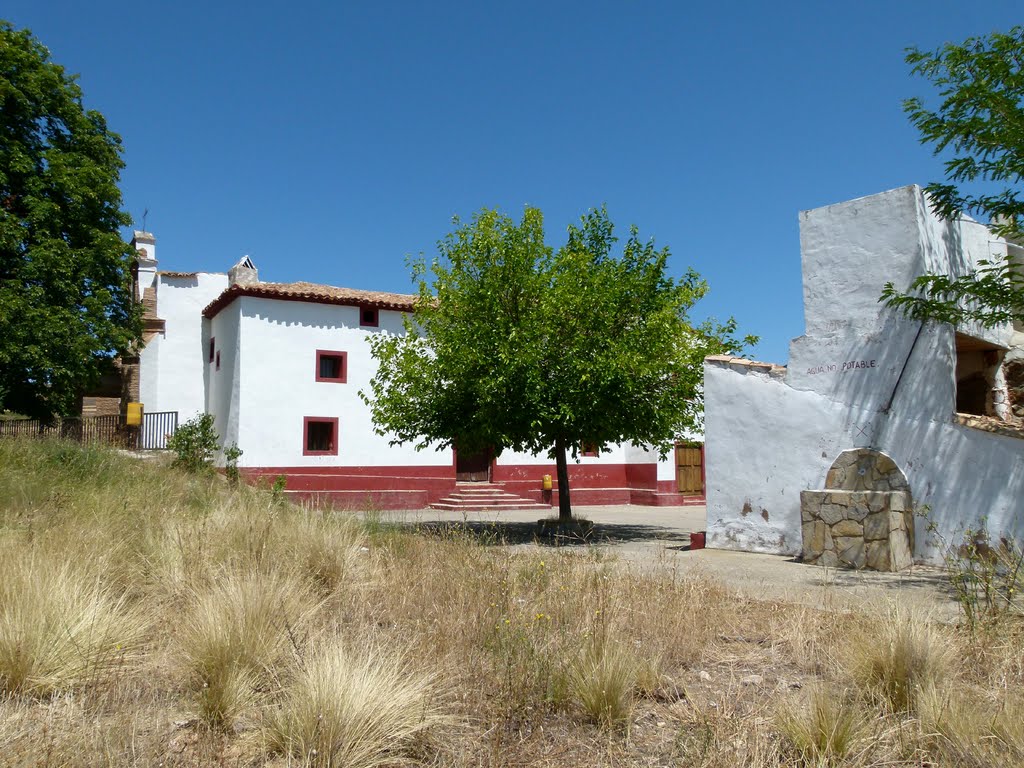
<point x="485" y="497"/>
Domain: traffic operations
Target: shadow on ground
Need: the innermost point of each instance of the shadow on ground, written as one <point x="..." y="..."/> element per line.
<point x="501" y="533"/>
<point x="919" y="578"/>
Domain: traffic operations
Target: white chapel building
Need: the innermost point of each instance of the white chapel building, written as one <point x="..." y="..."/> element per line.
<point x="280" y="367"/>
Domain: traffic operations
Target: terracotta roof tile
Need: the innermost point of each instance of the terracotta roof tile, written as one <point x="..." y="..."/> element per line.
<point x="314" y="293"/>
<point x="742" y="362"/>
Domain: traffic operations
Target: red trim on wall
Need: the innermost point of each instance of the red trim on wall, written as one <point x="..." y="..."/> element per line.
<point x="642" y="476"/>
<point x="414" y="487"/>
<point x="343" y="378"/>
<point x="333" y="421"/>
<point x="580" y="475"/>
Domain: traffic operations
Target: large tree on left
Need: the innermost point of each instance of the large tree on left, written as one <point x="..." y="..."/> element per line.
<point x="66" y="305"/>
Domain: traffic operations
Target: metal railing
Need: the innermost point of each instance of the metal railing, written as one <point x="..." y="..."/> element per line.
<point x="156" y="428"/>
<point x="110" y="430"/>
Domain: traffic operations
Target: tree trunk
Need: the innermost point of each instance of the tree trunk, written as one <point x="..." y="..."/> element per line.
<point x="564" y="509"/>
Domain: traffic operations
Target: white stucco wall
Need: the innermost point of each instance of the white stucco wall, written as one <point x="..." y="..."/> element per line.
<point x="767" y="441"/>
<point x="149" y="373"/>
<point x="277" y="385"/>
<point x="223" y="384"/>
<point x="612" y="454"/>
<point x="173" y="364"/>
<point x="861" y="376"/>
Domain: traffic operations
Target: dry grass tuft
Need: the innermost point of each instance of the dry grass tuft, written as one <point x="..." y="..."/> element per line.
<point x="967" y="729"/>
<point x="325" y="548"/>
<point x="825" y="729"/>
<point x="61" y="626"/>
<point x="603" y="681"/>
<point x="353" y="710"/>
<point x="905" y="655"/>
<point x="252" y="604"/>
<point x="239" y="630"/>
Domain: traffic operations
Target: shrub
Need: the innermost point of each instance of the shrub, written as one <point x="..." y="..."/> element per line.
<point x="985" y="575"/>
<point x="232" y="454"/>
<point x="194" y="443"/>
<point x="357" y="712"/>
<point x="278" y="488"/>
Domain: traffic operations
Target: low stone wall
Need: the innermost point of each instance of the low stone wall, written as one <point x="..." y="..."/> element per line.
<point x="858" y="529"/>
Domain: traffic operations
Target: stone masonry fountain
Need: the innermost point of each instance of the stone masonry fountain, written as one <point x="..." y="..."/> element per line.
<point x="864" y="517"/>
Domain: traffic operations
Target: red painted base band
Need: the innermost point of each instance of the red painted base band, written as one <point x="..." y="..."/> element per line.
<point x="415" y="487"/>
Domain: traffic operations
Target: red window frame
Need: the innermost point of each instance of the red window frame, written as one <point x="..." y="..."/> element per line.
<point x="321" y="353"/>
<point x="373" y="321"/>
<point x="213" y="345"/>
<point x="333" y="421"/>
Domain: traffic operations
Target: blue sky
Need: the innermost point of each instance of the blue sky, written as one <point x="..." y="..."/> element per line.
<point x="329" y="140"/>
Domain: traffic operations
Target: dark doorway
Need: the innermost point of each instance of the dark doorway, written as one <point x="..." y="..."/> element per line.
<point x="472" y="467"/>
<point x="977" y="363"/>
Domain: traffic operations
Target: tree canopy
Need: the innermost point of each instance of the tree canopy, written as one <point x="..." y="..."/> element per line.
<point x="65" y="272"/>
<point x="979" y="125"/>
<point x="514" y="345"/>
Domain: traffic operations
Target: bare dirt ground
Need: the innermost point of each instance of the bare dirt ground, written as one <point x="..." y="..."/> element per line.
<point x="659" y="537"/>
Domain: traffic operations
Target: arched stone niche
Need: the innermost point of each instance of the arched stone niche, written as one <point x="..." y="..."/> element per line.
<point x="864" y="516"/>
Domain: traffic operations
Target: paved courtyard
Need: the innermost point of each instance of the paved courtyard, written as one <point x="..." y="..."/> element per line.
<point x="659" y="537"/>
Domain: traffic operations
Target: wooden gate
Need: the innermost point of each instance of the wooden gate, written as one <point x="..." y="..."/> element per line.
<point x="690" y="468"/>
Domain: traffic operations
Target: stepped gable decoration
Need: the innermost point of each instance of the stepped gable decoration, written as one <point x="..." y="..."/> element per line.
<point x="315" y="293"/>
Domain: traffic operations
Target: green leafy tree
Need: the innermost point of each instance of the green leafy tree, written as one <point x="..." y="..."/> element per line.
<point x="513" y="345"/>
<point x="980" y="125"/>
<point x="65" y="282"/>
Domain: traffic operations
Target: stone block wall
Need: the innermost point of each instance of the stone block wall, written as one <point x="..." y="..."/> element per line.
<point x="858" y="529"/>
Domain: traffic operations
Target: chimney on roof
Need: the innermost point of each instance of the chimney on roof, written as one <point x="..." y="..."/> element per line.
<point x="144" y="244"/>
<point x="144" y="269"/>
<point x="243" y="273"/>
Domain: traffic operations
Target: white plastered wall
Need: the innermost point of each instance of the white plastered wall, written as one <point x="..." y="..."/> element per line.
<point x="862" y="376"/>
<point x="612" y="454"/>
<point x="223" y="382"/>
<point x="277" y="347"/>
<point x="173" y="363"/>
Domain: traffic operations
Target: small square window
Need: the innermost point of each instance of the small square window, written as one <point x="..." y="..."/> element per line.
<point x="331" y="366"/>
<point x="218" y="360"/>
<point x="213" y="345"/>
<point x="320" y="436"/>
<point x="369" y="316"/>
<point x="589" y="449"/>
